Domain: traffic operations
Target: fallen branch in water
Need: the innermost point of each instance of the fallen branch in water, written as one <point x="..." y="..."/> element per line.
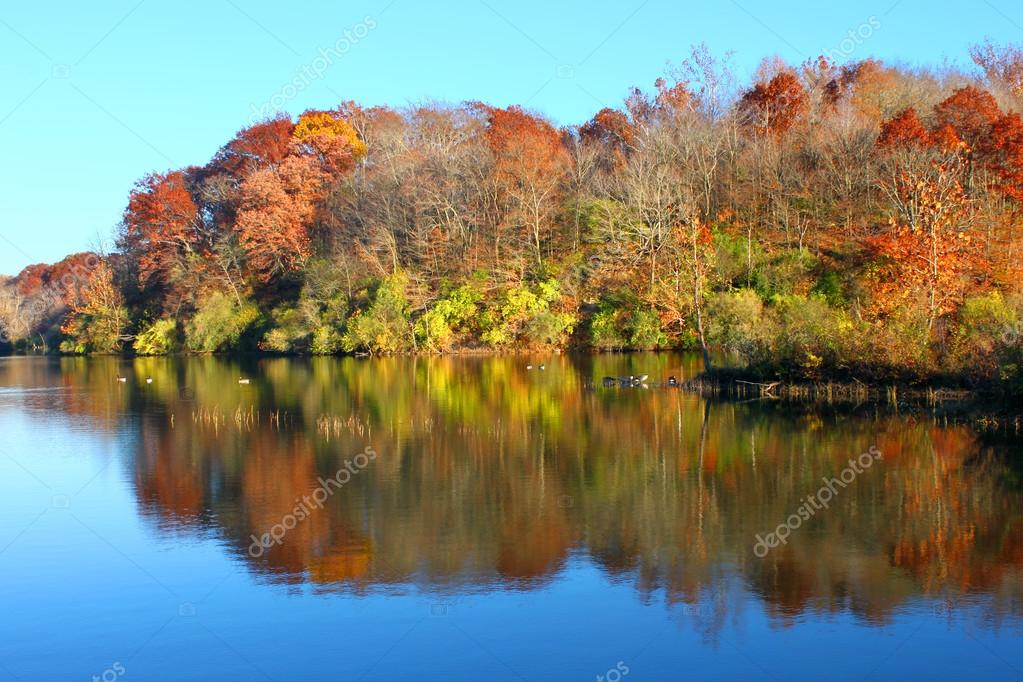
<point x="765" y="389"/>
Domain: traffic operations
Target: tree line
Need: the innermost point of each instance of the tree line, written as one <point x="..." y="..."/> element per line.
<point x="856" y="220"/>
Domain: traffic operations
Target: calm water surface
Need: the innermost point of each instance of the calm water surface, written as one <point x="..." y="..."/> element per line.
<point x="505" y="525"/>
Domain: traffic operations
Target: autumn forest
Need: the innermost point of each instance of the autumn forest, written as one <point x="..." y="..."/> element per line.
<point x="859" y="221"/>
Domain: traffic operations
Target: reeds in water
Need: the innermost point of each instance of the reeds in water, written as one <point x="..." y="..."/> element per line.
<point x="243" y="418"/>
<point x="333" y="426"/>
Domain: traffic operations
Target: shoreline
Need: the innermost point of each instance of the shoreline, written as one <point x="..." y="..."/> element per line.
<point x="982" y="408"/>
<point x="723" y="381"/>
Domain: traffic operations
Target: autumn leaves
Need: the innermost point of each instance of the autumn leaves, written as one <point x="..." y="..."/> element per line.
<point x="266" y="183"/>
<point x="932" y="239"/>
<point x="861" y="201"/>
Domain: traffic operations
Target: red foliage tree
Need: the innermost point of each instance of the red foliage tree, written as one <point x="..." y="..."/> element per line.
<point x="278" y="202"/>
<point x="970" y="112"/>
<point x="1004" y="155"/>
<point x="905" y="130"/>
<point x="609" y="128"/>
<point x="70" y="275"/>
<point x="259" y="146"/>
<point x="945" y="139"/>
<point x="672" y="99"/>
<point x="160" y="228"/>
<point x="772" y="108"/>
<point x="33" y="278"/>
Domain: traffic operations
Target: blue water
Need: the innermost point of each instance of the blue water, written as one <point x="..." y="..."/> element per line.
<point x="99" y="578"/>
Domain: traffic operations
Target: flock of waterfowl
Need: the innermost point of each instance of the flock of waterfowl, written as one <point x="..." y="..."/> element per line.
<point x="149" y="380"/>
<point x="633" y="381"/>
<point x="630" y="381"/>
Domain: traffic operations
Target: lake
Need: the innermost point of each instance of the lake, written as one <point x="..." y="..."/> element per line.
<point x="470" y="519"/>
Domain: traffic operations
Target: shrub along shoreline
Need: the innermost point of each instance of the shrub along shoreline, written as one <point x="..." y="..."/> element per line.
<point x="796" y="340"/>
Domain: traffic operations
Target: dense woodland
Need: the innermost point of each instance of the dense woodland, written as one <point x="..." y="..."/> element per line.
<point x="842" y="221"/>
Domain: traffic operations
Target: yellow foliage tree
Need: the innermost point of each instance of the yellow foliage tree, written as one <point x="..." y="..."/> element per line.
<point x="328" y="132"/>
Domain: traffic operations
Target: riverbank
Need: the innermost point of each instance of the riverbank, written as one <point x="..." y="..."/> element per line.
<point x="982" y="408"/>
<point x="724" y="379"/>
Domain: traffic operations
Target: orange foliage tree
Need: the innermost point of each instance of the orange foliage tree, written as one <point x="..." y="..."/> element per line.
<point x="530" y="164"/>
<point x="278" y="203"/>
<point x="98" y="318"/>
<point x="928" y="241"/>
<point x="611" y="132"/>
<point x="276" y="208"/>
<point x="904" y="131"/>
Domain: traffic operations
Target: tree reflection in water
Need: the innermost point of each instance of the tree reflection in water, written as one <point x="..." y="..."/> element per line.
<point x="492" y="477"/>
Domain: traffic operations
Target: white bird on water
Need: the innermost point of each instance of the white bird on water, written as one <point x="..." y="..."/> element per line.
<point x="243" y="381"/>
<point x="149" y="380"/>
<point x="121" y="380"/>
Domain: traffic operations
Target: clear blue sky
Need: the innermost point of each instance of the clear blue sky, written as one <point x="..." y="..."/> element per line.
<point x="97" y="94"/>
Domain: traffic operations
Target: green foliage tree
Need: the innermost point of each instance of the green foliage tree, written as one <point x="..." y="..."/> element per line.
<point x="986" y="342"/>
<point x="220" y="324"/>
<point x="160" y="338"/>
<point x="622" y="320"/>
<point x="314" y="322"/>
<point x="738" y="325"/>
<point x="525" y="313"/>
<point x="384" y="326"/>
<point x="443" y="323"/>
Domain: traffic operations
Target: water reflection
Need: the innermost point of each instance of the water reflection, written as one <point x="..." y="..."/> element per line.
<point x="489" y="476"/>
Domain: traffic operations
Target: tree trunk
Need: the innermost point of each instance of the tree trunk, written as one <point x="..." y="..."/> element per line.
<point x="707" y="365"/>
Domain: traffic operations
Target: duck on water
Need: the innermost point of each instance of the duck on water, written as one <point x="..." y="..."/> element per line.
<point x="633" y="381"/>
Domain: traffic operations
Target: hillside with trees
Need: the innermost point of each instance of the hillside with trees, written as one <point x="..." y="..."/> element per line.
<point x="824" y="221"/>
